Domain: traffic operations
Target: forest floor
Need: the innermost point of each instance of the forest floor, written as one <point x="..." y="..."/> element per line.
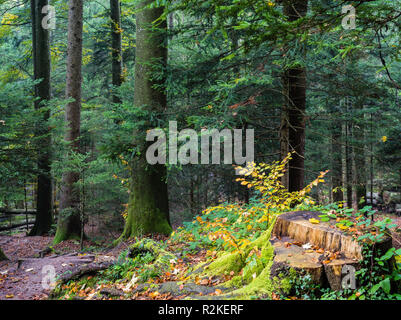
<point x="22" y="275"/>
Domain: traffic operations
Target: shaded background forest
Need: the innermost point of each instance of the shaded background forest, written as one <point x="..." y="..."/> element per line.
<point x="225" y="69"/>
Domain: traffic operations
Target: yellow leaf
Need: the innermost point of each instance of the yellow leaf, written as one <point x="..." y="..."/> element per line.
<point x="314" y="221"/>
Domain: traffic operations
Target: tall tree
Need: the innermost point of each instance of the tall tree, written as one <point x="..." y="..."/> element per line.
<point x="336" y="162"/>
<point x="348" y="161"/>
<point x="116" y="47"/>
<point x="69" y="222"/>
<point x="360" y="172"/>
<point x="42" y="66"/>
<point x="148" y="208"/>
<point x="293" y="116"/>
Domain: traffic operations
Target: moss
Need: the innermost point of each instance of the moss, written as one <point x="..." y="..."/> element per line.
<point x="228" y="261"/>
<point x="62" y="235"/>
<point x="255" y="278"/>
<point x="260" y="285"/>
<point x="69" y="226"/>
<point x="162" y="257"/>
<point x="148" y="204"/>
<point x="224" y="265"/>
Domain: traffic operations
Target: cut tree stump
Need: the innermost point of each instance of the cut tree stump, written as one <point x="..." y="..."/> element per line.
<point x="326" y="252"/>
<point x="296" y="225"/>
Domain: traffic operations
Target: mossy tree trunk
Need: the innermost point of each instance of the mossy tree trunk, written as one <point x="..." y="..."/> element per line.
<point x="42" y="66"/>
<point x="2" y="255"/>
<point x="148" y="208"/>
<point x="293" y="117"/>
<point x="69" y="222"/>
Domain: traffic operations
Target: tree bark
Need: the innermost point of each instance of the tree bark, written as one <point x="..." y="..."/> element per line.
<point x="360" y="171"/>
<point x="348" y="161"/>
<point x="42" y="68"/>
<point x="336" y="162"/>
<point x="116" y="48"/>
<point x="69" y="222"/>
<point x="293" y="123"/>
<point x="148" y="208"/>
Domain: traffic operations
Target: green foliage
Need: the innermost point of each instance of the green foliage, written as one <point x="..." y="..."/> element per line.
<point x="125" y="267"/>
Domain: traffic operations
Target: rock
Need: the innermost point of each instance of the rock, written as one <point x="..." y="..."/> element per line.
<point x="141" y="287"/>
<point x="188" y="288"/>
<point x="391" y="197"/>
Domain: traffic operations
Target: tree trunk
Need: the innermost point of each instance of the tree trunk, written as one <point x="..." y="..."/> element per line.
<point x="42" y="66"/>
<point x="360" y="176"/>
<point x="148" y="208"/>
<point x="348" y="161"/>
<point x="294" y="83"/>
<point x="2" y="255"/>
<point x="69" y="224"/>
<point x="336" y="162"/>
<point x="116" y="47"/>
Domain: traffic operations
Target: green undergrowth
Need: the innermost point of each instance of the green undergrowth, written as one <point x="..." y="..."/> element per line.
<point x="249" y="268"/>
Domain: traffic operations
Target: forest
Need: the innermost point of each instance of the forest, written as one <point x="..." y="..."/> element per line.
<point x="200" y="150"/>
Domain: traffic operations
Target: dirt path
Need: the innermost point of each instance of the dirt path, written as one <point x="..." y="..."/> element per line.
<point x="27" y="277"/>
